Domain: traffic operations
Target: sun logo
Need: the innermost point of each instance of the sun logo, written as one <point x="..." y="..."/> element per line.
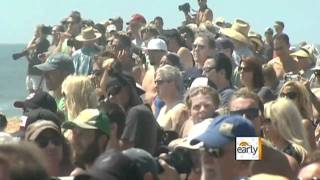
<point x="243" y="143"/>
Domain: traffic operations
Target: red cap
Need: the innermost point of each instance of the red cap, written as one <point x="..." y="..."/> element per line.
<point x="137" y="18"/>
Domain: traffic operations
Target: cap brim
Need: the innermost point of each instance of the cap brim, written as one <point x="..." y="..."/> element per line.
<point x="212" y="139"/>
<point x="139" y="89"/>
<point x="46" y="67"/>
<point x="38" y="131"/>
<point x="185" y="143"/>
<point x="81" y="39"/>
<point x="300" y="53"/>
<point x="73" y="124"/>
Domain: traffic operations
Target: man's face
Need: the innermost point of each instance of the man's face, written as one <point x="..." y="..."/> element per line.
<point x="155" y="56"/>
<point x="281" y="48"/>
<point x="200" y="50"/>
<point x="158" y="24"/>
<point x="278" y="29"/>
<point x="209" y="70"/>
<point x="54" y="79"/>
<point x="163" y="86"/>
<point x="246" y="108"/>
<point x="85" y="145"/>
<point x="202" y="107"/>
<point x="219" y="167"/>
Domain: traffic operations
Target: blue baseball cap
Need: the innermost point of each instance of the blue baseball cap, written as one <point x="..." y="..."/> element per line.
<point x="224" y="129"/>
<point x="57" y="61"/>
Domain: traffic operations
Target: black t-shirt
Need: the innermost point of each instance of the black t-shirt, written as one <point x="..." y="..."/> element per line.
<point x="141" y="128"/>
<point x="41" y="47"/>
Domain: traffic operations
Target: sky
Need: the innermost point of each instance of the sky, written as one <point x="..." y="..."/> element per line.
<point x="19" y="18"/>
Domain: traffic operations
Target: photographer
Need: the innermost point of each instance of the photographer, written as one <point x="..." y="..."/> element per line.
<point x="203" y="14"/>
<point x="39" y="44"/>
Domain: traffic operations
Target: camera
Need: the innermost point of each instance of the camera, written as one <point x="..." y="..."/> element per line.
<point x="292" y="77"/>
<point x="180" y="159"/>
<point x="184" y="8"/>
<point x="17" y="56"/>
<point x="47" y="30"/>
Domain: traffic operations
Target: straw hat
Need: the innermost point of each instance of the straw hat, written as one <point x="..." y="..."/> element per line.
<point x="238" y="31"/>
<point x="256" y="38"/>
<point x="88" y="34"/>
<point x="305" y="51"/>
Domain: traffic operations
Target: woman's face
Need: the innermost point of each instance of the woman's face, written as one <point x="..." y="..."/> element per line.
<point x="270" y="131"/>
<point x="50" y="142"/>
<point x="246" y="74"/>
<point x="291" y="93"/>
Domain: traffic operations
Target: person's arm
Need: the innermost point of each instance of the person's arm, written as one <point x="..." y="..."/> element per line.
<point x="189" y="19"/>
<point x="208" y="15"/>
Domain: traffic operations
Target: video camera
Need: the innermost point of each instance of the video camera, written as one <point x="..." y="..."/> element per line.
<point x="184" y="8"/>
<point x="180" y="159"/>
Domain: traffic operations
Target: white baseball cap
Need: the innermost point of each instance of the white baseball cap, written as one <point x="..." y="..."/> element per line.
<point x="157" y="44"/>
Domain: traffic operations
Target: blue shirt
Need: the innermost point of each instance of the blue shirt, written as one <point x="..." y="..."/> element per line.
<point x="83" y="60"/>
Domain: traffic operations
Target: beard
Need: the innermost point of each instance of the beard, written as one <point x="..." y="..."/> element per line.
<point x="88" y="156"/>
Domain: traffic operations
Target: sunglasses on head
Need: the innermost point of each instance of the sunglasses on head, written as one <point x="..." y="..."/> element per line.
<point x="250" y="113"/>
<point x="44" y="141"/>
<point x="290" y="95"/>
<point x="213" y="152"/>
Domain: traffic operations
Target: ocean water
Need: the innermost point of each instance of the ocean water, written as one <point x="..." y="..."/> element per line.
<point x="12" y="79"/>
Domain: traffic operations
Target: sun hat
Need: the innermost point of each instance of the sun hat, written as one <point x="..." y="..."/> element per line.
<point x="88" y="34"/>
<point x="37" y="127"/>
<point x="238" y="31"/>
<point x="256" y="38"/>
<point x="90" y="119"/>
<point x="57" y="61"/>
<point x="195" y="131"/>
<point x="224" y="130"/>
<point x="39" y="99"/>
<point x="157" y="44"/>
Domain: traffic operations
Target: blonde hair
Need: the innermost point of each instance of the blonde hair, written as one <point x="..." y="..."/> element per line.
<point x="79" y="94"/>
<point x="303" y="98"/>
<point x="286" y="119"/>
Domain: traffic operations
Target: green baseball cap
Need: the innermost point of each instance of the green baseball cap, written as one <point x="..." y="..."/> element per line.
<point x="90" y="119"/>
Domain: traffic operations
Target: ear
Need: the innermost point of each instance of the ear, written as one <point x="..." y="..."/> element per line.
<point x="148" y="176"/>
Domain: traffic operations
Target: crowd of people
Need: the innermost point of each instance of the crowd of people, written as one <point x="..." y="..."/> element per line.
<point x="148" y="103"/>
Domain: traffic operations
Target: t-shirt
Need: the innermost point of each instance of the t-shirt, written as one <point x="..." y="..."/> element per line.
<point x="83" y="60"/>
<point x="141" y="128"/>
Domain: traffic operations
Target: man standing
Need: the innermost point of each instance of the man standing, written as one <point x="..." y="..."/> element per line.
<point x="203" y="14"/>
<point x="135" y="24"/>
<point x="90" y="135"/>
<point x="83" y="58"/>
<point x="283" y="63"/>
<point x="218" y="159"/>
<point x="278" y="27"/>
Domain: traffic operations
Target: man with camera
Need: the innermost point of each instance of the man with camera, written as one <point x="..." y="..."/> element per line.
<point x="39" y="44"/>
<point x="203" y="14"/>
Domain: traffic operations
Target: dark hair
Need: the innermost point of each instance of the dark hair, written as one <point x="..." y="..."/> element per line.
<point x="246" y="93"/>
<point x="115" y="114"/>
<point x="280" y="23"/>
<point x="159" y="19"/>
<point x="186" y="29"/>
<point x="223" y="62"/>
<point x="174" y="60"/>
<point x="123" y="39"/>
<point x="209" y="37"/>
<point x="173" y="33"/>
<point x="254" y="65"/>
<point x="283" y="37"/>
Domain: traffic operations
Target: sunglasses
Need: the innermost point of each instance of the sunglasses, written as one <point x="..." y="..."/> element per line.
<point x="250" y="113"/>
<point x="159" y="82"/>
<point x="290" y="95"/>
<point x="317" y="73"/>
<point x="208" y="69"/>
<point x="213" y="152"/>
<point x="44" y="141"/>
<point x="244" y="69"/>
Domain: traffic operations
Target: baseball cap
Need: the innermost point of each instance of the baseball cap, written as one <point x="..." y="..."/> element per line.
<point x="112" y="166"/>
<point x="195" y="131"/>
<point x="37" y="127"/>
<point x="224" y="43"/>
<point x="36" y="100"/>
<point x="143" y="160"/>
<point x="224" y="129"/>
<point x="157" y="44"/>
<point x="58" y="61"/>
<point x="90" y="119"/>
<point x="137" y="18"/>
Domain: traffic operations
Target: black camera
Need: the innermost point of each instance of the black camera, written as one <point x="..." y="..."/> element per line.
<point x="180" y="159"/>
<point x="47" y="30"/>
<point x="184" y="8"/>
<point x="19" y="55"/>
